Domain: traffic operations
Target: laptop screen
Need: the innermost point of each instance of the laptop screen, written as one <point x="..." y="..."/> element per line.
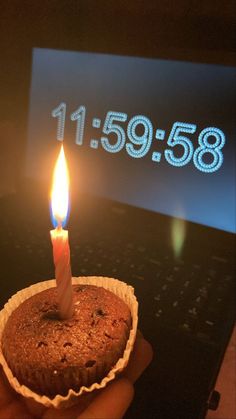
<point x="155" y="134"/>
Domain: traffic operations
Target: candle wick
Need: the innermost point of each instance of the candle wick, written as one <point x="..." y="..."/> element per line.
<point x="59" y="225"/>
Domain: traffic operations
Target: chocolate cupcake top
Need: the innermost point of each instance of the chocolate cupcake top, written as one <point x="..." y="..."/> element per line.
<point x="38" y="344"/>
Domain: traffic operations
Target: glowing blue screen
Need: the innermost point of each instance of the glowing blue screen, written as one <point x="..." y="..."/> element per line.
<point x="151" y="133"/>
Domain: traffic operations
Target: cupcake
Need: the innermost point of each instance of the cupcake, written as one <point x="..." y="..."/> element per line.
<point x="54" y="358"/>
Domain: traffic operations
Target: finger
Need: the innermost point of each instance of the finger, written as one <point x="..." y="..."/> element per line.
<point x="139" y="359"/>
<point x="71" y="412"/>
<point x="14" y="410"/>
<point x="112" y="402"/>
<point x="36" y="409"/>
<point x="6" y="393"/>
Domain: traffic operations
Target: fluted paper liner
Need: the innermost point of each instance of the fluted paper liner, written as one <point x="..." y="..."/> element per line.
<point x="121" y="289"/>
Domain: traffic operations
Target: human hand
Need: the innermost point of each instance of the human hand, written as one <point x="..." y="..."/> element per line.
<point x="111" y="402"/>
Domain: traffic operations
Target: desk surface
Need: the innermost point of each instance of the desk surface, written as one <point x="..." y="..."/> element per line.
<point x="226" y="384"/>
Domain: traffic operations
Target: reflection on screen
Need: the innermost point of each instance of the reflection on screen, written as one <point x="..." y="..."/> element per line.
<point x="155" y="134"/>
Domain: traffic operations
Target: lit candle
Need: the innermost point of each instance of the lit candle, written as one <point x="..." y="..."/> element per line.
<point x="59" y="236"/>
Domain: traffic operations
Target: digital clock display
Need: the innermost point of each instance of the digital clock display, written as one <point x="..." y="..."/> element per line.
<point x="138" y="145"/>
<point x="152" y="133"/>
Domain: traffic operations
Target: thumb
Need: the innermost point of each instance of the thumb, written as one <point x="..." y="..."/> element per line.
<point x="112" y="402"/>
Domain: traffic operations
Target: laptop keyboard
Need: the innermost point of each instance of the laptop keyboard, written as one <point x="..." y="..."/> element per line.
<point x="181" y="295"/>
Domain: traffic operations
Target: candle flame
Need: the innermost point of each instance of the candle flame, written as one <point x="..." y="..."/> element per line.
<point x="60" y="191"/>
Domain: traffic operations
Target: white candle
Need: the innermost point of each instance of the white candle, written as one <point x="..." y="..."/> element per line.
<point x="59" y="237"/>
<point x="61" y="256"/>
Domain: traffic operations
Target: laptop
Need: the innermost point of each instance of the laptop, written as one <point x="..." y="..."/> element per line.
<point x="151" y="154"/>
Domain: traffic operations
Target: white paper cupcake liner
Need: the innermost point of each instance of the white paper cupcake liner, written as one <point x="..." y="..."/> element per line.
<point x="121" y="289"/>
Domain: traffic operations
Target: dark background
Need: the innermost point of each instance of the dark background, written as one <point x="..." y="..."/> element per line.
<point x="190" y="30"/>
